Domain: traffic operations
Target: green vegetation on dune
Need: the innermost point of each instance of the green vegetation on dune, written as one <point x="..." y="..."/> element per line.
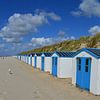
<point x="70" y="45"/>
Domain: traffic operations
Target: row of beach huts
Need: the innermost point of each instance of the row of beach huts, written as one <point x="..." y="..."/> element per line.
<point x="83" y="66"/>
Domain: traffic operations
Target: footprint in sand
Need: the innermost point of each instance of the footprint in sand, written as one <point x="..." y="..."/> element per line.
<point x="36" y="94"/>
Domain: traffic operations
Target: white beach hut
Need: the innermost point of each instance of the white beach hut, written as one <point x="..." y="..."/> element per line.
<point x="37" y="61"/>
<point x="86" y="70"/>
<point x="19" y="57"/>
<point x="62" y="64"/>
<point x="30" y="59"/>
<point x="46" y="62"/>
<point x="24" y="57"/>
<point x="27" y="58"/>
<point x="33" y="59"/>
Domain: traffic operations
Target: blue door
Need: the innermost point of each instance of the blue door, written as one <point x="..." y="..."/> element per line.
<point x="79" y="72"/>
<point x="54" y="66"/>
<point x="25" y="58"/>
<point x="35" y="61"/>
<point x="30" y="60"/>
<point x="20" y="57"/>
<point x="42" y="63"/>
<point x="83" y="73"/>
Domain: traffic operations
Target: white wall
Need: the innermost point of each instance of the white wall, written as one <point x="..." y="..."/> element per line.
<point x="94" y="69"/>
<point x="47" y="64"/>
<point x="98" y="79"/>
<point x="24" y="58"/>
<point x="32" y="61"/>
<point x="38" y="62"/>
<point x="19" y="57"/>
<point x="28" y="59"/>
<point x="64" y="68"/>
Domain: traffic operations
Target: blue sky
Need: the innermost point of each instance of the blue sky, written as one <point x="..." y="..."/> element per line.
<point x="28" y="24"/>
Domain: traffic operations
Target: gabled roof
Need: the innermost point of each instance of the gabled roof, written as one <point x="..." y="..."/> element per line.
<point x="95" y="52"/>
<point x="48" y="54"/>
<point x="38" y="54"/>
<point x="32" y="53"/>
<point x="65" y="54"/>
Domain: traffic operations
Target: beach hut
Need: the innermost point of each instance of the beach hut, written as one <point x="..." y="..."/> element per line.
<point x="27" y="58"/>
<point x="22" y="57"/>
<point x="19" y="57"/>
<point x="37" y="60"/>
<point x="86" y="70"/>
<point x="30" y="59"/>
<point x="62" y="64"/>
<point x="33" y="59"/>
<point x="46" y="62"/>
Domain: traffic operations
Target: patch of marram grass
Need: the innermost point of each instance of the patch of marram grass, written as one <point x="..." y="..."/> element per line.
<point x="70" y="45"/>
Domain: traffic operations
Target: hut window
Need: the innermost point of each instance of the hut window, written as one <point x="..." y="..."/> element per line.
<point x="52" y="60"/>
<point x="55" y="60"/>
<point x="87" y="65"/>
<point x="79" y="64"/>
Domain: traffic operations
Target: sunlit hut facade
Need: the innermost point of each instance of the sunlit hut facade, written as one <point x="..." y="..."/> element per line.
<point x="86" y="70"/>
<point x="33" y="59"/>
<point x="23" y="57"/>
<point x="30" y="59"/>
<point x="46" y="61"/>
<point x="26" y="58"/>
<point x="62" y="64"/>
<point x="37" y="60"/>
<point x="19" y="57"/>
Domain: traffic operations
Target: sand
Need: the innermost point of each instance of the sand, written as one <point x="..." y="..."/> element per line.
<point x="26" y="83"/>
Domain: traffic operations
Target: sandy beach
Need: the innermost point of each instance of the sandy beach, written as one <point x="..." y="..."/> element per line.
<point x="26" y="83"/>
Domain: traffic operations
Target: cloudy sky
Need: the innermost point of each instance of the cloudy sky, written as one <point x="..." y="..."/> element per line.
<point x="28" y="24"/>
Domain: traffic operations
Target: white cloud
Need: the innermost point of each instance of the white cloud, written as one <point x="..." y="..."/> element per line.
<point x="15" y="48"/>
<point x="94" y="30"/>
<point x="20" y="25"/>
<point x="88" y="8"/>
<point x="72" y="38"/>
<point x="41" y="41"/>
<point x="54" y="16"/>
<point x="61" y="33"/>
<point x="14" y="40"/>
<point x="51" y="15"/>
<point x="38" y="42"/>
<point x="76" y="13"/>
<point x="64" y="36"/>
